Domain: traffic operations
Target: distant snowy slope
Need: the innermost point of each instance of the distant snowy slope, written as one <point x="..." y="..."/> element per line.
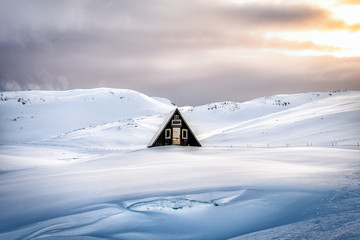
<point x="222" y="114"/>
<point x="122" y="134"/>
<point x="297" y="119"/>
<point x="36" y="115"/>
<point x="121" y="119"/>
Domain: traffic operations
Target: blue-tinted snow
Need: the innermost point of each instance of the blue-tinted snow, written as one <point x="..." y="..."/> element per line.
<point x="74" y="165"/>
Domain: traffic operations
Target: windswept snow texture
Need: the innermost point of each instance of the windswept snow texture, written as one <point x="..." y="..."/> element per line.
<point x="320" y="119"/>
<point x="38" y="115"/>
<point x="74" y="165"/>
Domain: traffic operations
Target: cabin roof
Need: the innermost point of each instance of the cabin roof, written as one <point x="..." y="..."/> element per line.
<point x="163" y="125"/>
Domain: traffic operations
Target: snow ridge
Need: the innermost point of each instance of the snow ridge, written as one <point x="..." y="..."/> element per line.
<point x="119" y="119"/>
<point x="74" y="165"/>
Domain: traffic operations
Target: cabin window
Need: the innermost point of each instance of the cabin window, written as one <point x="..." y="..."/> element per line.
<point x="168" y="133"/>
<point x="184" y="134"/>
<point x="176" y="117"/>
<point x="176" y="122"/>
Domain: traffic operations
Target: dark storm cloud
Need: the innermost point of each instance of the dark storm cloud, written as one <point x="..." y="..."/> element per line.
<point x="154" y="45"/>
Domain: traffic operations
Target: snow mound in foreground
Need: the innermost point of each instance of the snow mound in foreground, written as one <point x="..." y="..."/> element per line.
<point x="169" y="193"/>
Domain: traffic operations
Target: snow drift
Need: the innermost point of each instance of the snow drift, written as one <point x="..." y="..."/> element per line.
<point x="74" y="165"/>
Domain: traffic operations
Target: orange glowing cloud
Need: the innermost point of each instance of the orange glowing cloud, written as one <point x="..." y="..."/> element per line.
<point x="276" y="43"/>
<point x="338" y="24"/>
<point x="272" y="15"/>
<point x="349" y="2"/>
<point x="286" y="17"/>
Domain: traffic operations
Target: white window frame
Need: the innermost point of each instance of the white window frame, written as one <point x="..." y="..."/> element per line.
<point x="168" y="136"/>
<point x="186" y="133"/>
<point x="177" y="124"/>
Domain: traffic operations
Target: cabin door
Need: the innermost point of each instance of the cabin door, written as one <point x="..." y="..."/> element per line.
<point x="176" y="136"/>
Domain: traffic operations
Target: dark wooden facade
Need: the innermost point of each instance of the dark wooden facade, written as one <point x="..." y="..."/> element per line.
<point x="174" y="131"/>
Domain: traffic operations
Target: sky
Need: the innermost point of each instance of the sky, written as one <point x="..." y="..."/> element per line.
<point x="192" y="52"/>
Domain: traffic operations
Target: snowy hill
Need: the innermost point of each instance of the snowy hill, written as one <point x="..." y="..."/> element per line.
<point x="74" y="165"/>
<point x="321" y="119"/>
<point x="117" y="119"/>
<point x="37" y="115"/>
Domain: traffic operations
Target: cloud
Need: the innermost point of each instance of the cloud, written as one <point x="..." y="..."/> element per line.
<point x="295" y="16"/>
<point x="336" y="24"/>
<point x="199" y="76"/>
<point x="275" y="43"/>
<point x="10" y="85"/>
<point x="121" y="17"/>
<point x="349" y="2"/>
<point x="209" y="50"/>
<point x="154" y="25"/>
<point x="270" y="13"/>
<point x="242" y="80"/>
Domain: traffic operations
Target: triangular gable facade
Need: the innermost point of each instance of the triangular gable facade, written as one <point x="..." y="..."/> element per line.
<point x="174" y="131"/>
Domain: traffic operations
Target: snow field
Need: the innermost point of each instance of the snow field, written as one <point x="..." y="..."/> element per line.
<point x="74" y="165"/>
<point x="203" y="193"/>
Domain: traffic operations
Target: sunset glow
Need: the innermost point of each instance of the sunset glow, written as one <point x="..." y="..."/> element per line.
<point x="350" y="14"/>
<point x="336" y="33"/>
<point x="225" y="49"/>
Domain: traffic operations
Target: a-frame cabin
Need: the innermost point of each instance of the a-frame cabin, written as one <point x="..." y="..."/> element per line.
<point x="174" y="131"/>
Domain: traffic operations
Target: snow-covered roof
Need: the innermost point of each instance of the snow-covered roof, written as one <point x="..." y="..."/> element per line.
<point x="163" y="125"/>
